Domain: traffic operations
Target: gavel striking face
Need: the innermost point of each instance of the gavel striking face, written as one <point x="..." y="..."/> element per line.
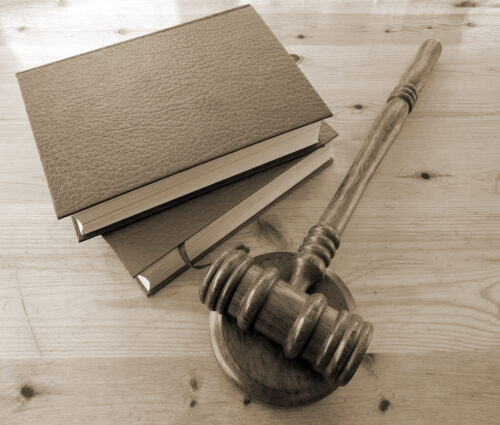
<point x="334" y="342"/>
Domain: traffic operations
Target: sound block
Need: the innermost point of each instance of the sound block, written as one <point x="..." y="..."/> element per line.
<point x="257" y="365"/>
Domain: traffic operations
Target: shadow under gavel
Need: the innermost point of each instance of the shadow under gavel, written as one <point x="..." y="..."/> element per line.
<point x="333" y="341"/>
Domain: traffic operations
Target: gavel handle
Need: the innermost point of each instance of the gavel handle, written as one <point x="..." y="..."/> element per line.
<point x="319" y="246"/>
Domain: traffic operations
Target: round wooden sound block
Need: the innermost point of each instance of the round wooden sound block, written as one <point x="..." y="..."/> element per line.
<point x="257" y="365"/>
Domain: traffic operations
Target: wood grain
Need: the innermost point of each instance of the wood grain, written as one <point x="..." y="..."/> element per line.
<point x="381" y="136"/>
<point x="421" y="253"/>
<point x="319" y="246"/>
<point x="390" y="389"/>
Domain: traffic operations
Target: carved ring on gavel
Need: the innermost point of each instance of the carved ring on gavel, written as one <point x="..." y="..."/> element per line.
<point x="282" y="325"/>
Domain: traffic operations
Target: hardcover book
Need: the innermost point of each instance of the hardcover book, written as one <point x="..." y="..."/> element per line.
<point x="133" y="128"/>
<point x="158" y="248"/>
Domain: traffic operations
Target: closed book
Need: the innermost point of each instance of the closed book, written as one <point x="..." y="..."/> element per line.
<point x="158" y="248"/>
<point x="136" y="127"/>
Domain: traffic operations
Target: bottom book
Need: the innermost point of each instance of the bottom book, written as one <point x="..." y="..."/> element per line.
<point x="158" y="248"/>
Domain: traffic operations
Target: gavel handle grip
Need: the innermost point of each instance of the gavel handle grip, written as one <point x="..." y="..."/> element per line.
<point x="316" y="252"/>
<point x="382" y="134"/>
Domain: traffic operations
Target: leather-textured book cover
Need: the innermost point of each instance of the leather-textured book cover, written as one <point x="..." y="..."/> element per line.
<point x="140" y="244"/>
<point x="118" y="118"/>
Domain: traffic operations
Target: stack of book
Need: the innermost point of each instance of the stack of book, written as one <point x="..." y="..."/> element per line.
<point x="167" y="143"/>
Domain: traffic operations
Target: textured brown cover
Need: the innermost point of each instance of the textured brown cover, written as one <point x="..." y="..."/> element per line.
<point x="140" y="244"/>
<point x="117" y="118"/>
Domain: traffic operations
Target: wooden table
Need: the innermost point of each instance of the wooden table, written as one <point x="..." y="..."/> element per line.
<point x="79" y="342"/>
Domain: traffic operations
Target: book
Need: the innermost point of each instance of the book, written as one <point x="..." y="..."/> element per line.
<point x="154" y="249"/>
<point x="129" y="129"/>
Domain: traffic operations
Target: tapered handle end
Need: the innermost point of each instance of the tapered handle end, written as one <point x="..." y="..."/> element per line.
<point x="413" y="80"/>
<point x="418" y="72"/>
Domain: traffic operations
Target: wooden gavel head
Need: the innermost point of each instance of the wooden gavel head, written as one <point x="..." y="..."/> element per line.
<point x="333" y="341"/>
<point x="318" y="343"/>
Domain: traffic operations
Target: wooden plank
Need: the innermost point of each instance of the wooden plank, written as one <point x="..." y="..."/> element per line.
<point x="388" y="389"/>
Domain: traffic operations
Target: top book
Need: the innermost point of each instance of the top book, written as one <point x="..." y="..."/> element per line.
<point x="128" y="128"/>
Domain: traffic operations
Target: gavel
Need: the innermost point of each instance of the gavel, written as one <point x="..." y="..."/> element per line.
<point x="333" y="341"/>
